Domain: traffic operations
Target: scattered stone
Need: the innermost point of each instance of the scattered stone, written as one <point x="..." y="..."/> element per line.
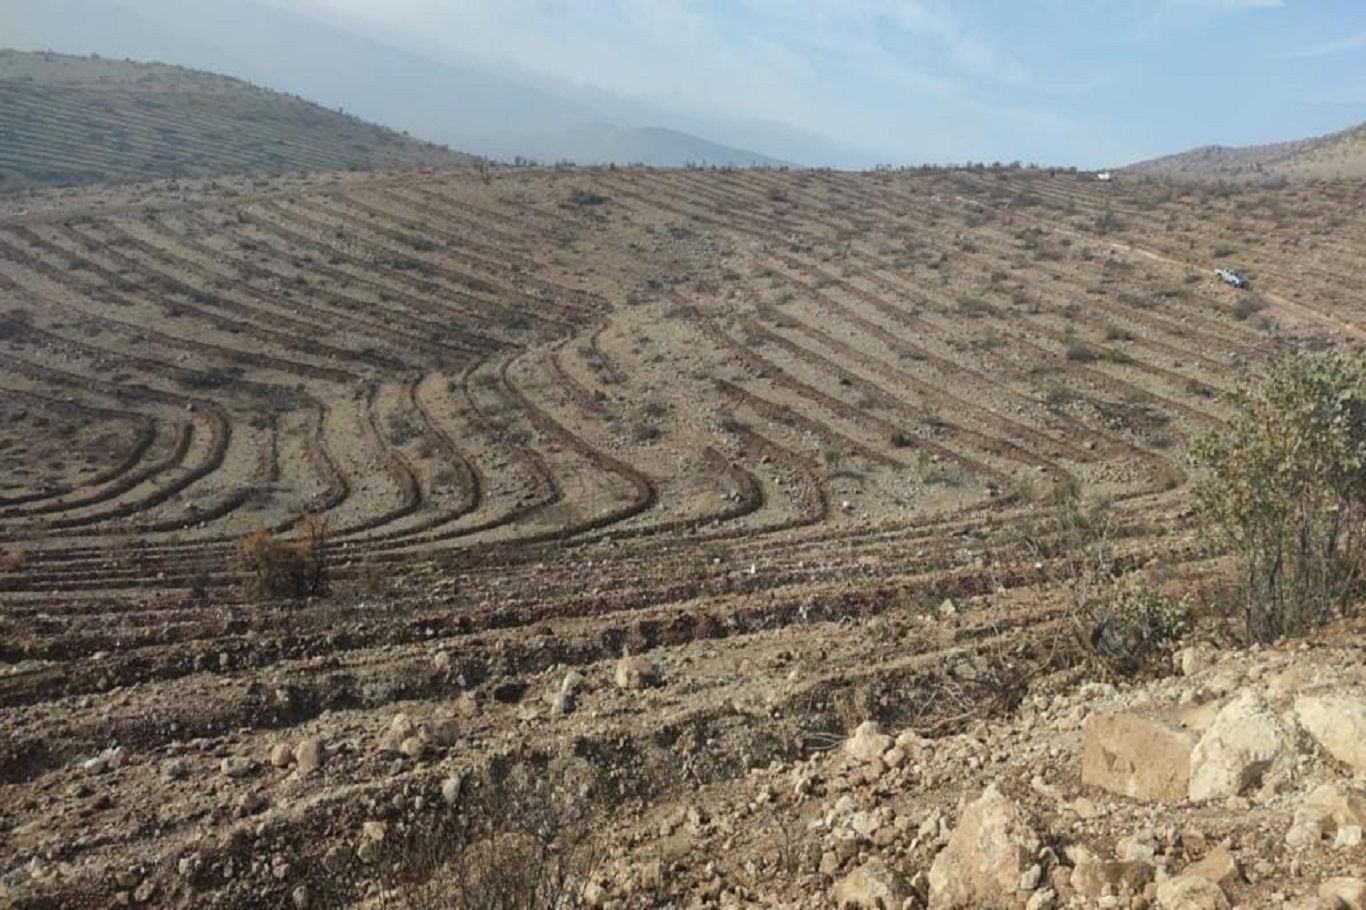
<point x="872" y="886"/>
<point x="1217" y="866"/>
<point x="450" y="790"/>
<point x="300" y="897"/>
<point x="993" y="846"/>
<point x="236" y="766"/>
<point x="308" y="756"/>
<point x="175" y="769"/>
<point x="1338" y="724"/>
<point x="572" y="683"/>
<point x="373" y="830"/>
<point x="1093" y="876"/>
<point x="948" y="608"/>
<point x="1138" y="758"/>
<point x="1190" y="892"/>
<point x="441" y="661"/>
<point x="282" y="755"/>
<point x="636" y="672"/>
<point x="868" y="742"/>
<point x="1238" y="748"/>
<point x="250" y="803"/>
<point x="1343" y="894"/>
<point x="444" y="731"/>
<point x="400" y="729"/>
<point x="413" y="747"/>
<point x="336" y="859"/>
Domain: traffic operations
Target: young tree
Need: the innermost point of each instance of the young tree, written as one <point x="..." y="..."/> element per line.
<point x="1286" y="491"/>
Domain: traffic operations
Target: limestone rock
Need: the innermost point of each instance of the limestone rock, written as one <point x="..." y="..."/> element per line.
<point x="868" y="742"/>
<point x="1326" y="812"/>
<point x="1190" y="892"/>
<point x="1135" y="757"/>
<point x="991" y="849"/>
<point x="1343" y="894"/>
<point x="1237" y="749"/>
<point x="1338" y="724"/>
<point x="1093" y="876"/>
<point x="308" y="756"/>
<point x="401" y="728"/>
<point x="872" y="886"/>
<point x="1217" y="866"/>
<point x="236" y="766"/>
<point x="281" y="755"/>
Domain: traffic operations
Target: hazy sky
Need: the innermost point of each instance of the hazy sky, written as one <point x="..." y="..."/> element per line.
<point x="1052" y="80"/>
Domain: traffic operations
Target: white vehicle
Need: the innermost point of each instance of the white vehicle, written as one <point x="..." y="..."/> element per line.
<point x="1232" y="277"/>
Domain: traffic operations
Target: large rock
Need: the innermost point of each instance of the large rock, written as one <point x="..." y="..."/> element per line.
<point x="872" y="886"/>
<point x="1343" y="894"/>
<point x="1338" y="724"/>
<point x="981" y="866"/>
<point x="308" y="756"/>
<point x="1325" y="812"/>
<point x="1237" y="749"/>
<point x="1191" y="892"/>
<point x="868" y="742"/>
<point x="1135" y="757"/>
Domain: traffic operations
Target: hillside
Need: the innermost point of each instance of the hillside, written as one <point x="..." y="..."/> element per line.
<point x="811" y="448"/>
<point x="1335" y="156"/>
<point x="604" y="144"/>
<point x="66" y="120"/>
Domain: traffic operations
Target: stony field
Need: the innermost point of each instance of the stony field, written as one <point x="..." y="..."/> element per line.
<point x="800" y="445"/>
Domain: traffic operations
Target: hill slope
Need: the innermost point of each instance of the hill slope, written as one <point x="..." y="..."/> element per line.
<point x="654" y="147"/>
<point x="73" y="120"/>
<point x="1337" y="155"/>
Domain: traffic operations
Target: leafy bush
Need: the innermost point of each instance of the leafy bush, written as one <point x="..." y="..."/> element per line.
<point x="1286" y="491"/>
<point x="283" y="568"/>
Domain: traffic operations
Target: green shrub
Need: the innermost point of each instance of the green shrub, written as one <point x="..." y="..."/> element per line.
<point x="1286" y="491"/>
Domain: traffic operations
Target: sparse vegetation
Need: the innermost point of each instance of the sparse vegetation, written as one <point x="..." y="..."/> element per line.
<point x="278" y="569"/>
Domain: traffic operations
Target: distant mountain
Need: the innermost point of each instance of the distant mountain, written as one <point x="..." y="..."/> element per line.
<point x="654" y="147"/>
<point x="1337" y="155"/>
<point x="76" y="119"/>
<point x="468" y="108"/>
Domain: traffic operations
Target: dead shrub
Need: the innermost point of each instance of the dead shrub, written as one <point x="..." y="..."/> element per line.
<point x="278" y="568"/>
<point x="518" y="843"/>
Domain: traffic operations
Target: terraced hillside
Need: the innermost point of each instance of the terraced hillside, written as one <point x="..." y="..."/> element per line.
<point x="66" y="120"/>
<point x="548" y="415"/>
<point x="1336" y="156"/>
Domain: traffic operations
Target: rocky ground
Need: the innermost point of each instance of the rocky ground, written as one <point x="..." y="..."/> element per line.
<point x="740" y="771"/>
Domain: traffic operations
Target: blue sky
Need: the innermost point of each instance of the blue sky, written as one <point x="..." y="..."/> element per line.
<point x="1057" y="81"/>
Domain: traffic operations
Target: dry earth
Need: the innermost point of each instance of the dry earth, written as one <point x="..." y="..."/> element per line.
<point x="752" y="426"/>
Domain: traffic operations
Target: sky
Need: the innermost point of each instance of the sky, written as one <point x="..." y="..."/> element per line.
<point x="1054" y="81"/>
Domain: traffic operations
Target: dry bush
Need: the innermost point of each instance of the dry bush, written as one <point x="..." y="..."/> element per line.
<point x="279" y="568"/>
<point x="1120" y="622"/>
<point x="523" y="843"/>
